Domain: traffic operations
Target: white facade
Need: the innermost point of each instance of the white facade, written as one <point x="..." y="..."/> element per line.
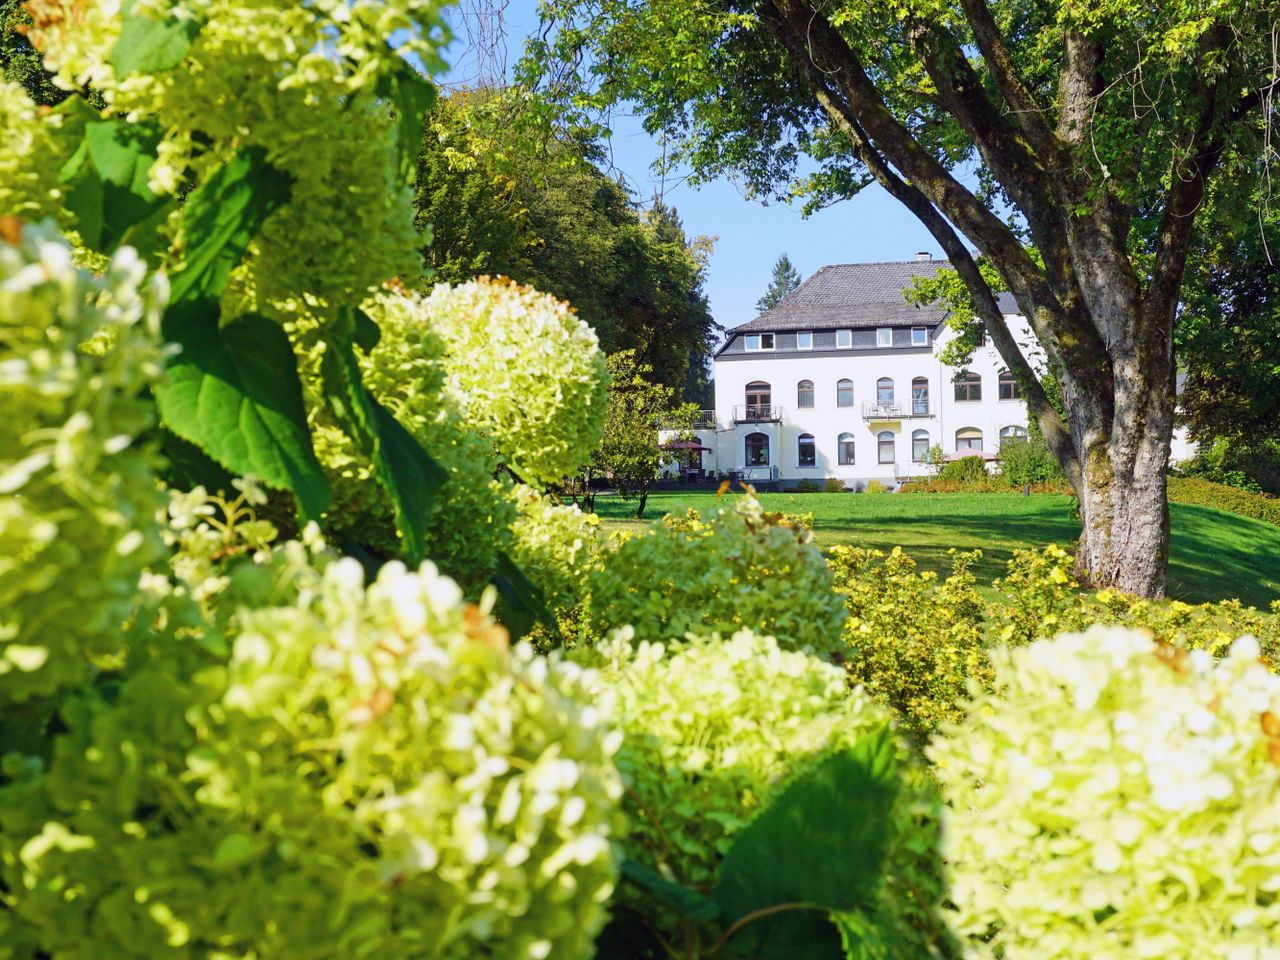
<point x="903" y="401"/>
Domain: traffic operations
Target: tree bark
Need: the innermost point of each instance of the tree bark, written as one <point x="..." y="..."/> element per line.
<point x="644" y="498"/>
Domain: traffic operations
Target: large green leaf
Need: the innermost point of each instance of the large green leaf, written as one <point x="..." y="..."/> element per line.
<point x="687" y="902"/>
<point x="148" y="44"/>
<point x="401" y="466"/>
<point x="221" y="218"/>
<point x="412" y="97"/>
<point x="522" y="602"/>
<point x="234" y="392"/>
<point x="106" y="181"/>
<point x="822" y="844"/>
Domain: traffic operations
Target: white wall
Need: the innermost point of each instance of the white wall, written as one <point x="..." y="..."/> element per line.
<point x="826" y="421"/>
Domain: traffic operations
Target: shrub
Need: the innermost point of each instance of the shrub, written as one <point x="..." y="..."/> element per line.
<point x="1235" y="464"/>
<point x="1206" y="493"/>
<point x="874" y="486"/>
<point x="990" y="485"/>
<point x="359" y="772"/>
<point x="833" y="485"/>
<point x="1116" y="798"/>
<point x="80" y="498"/>
<point x="807" y="485"/>
<point x="741" y="567"/>
<point x="713" y="731"/>
<point x="967" y="469"/>
<point x="1025" y="462"/>
<point x="557" y="546"/>
<point x="911" y="642"/>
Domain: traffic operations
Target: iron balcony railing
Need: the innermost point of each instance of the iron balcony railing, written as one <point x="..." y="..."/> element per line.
<point x="702" y="420"/>
<point x="896" y="410"/>
<point x="757" y="413"/>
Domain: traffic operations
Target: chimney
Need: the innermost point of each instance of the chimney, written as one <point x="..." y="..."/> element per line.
<point x="924" y="256"/>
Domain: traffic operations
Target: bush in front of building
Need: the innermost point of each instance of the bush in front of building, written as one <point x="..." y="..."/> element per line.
<point x="1029" y="461"/>
<point x="967" y="469"/>
<point x="833" y="485"/>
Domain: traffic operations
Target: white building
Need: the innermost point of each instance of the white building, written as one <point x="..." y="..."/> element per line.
<point x="843" y="378"/>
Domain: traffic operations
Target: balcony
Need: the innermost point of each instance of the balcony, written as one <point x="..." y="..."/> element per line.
<point x="702" y="420"/>
<point x="757" y="413"/>
<point x="893" y="410"/>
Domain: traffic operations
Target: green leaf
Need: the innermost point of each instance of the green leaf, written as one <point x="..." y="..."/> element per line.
<point x="221" y="218"/>
<point x="367" y="331"/>
<point x="149" y="45"/>
<point x="106" y="181"/>
<point x="412" y="97"/>
<point x="188" y="467"/>
<point x="234" y="392"/>
<point x="401" y="466"/>
<point x="686" y="902"/>
<point x="523" y="604"/>
<point x="822" y="843"/>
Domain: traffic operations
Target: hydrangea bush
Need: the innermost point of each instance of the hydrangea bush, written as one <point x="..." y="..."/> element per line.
<point x="360" y="771"/>
<point x="741" y="567"/>
<point x="713" y="730"/>
<point x="1116" y="798"/>
<point x="558" y="544"/>
<point x="79" y="499"/>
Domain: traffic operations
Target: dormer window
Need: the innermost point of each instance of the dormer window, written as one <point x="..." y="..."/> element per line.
<point x="759" y="341"/>
<point x="919" y="336"/>
<point x="884" y="336"/>
<point x="804" y="340"/>
<point x="844" y="339"/>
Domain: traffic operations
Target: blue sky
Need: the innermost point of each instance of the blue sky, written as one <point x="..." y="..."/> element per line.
<point x="872" y="226"/>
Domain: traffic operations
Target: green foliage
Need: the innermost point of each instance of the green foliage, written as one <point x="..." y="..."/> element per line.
<point x="785" y="278"/>
<point x="1114" y="798"/>
<point x="875" y="486"/>
<point x="20" y="62"/>
<point x="559" y="545"/>
<point x="719" y="732"/>
<point x="352" y="771"/>
<point x="833" y="485"/>
<point x="78" y="492"/>
<point x="964" y="470"/>
<point x="740" y="568"/>
<point x="807" y="485"/>
<point x="29" y="163"/>
<point x="911" y="641"/>
<point x="1029" y="461"/>
<point x="1223" y="497"/>
<point x="1248" y="466"/>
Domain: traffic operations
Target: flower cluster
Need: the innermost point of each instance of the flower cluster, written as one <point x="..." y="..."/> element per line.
<point x="362" y="771"/>
<point x="1113" y="798"/>
<point x="741" y="567"/>
<point x="557" y="545"/>
<point x="78" y="494"/>
<point x="714" y="729"/>
<point x="28" y="178"/>
<point x="525" y="371"/>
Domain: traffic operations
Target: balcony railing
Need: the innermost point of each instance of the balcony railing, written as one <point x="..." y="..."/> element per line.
<point x="702" y="420"/>
<point x="757" y="413"/>
<point x="895" y="410"/>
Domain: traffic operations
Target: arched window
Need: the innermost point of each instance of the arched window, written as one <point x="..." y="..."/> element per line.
<point x="1013" y="433"/>
<point x="920" y="446"/>
<point x="884" y="390"/>
<point x="968" y="386"/>
<point x="804" y="394"/>
<point x="968" y="438"/>
<point x="1009" y="387"/>
<point x="759" y="400"/>
<point x="885" y="447"/>
<point x="757" y="450"/>
<point x="845" y="443"/>
<point x="844" y="393"/>
<point x="806" y="451"/>
<point x="920" y="396"/>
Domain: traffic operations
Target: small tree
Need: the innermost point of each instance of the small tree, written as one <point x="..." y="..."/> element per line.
<point x="785" y="279"/>
<point x="629" y="453"/>
<point x="934" y="460"/>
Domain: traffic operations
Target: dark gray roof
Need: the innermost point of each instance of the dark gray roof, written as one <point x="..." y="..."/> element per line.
<point x="846" y="295"/>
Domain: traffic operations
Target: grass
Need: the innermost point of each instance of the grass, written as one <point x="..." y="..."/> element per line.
<point x="1214" y="554"/>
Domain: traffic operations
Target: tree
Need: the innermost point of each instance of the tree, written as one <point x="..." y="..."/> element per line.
<point x="785" y="279"/>
<point x="20" y="62"/>
<point x="1071" y="141"/>
<point x="629" y="453"/>
<point x="535" y="206"/>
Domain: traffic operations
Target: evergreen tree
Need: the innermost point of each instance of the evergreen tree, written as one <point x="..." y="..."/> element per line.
<point x="785" y="279"/>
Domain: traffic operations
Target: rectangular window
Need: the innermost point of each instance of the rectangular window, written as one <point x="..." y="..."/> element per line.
<point x="884" y="337"/>
<point x="919" y="336"/>
<point x="885" y="448"/>
<point x="804" y="340"/>
<point x="759" y="341"/>
<point x="844" y="339"/>
<point x="919" y="448"/>
<point x="808" y="452"/>
<point x="846" y="451"/>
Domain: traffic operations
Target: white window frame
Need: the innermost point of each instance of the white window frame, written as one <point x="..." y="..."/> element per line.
<point x="852" y="448"/>
<point x="881" y="441"/>
<point x="804" y="340"/>
<point x="923" y="340"/>
<point x="759" y="339"/>
<point x="884" y="337"/>
<point x="847" y="337"/>
<point x="813" y="444"/>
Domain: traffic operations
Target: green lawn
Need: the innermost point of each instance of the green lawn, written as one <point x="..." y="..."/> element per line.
<point x="1214" y="554"/>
